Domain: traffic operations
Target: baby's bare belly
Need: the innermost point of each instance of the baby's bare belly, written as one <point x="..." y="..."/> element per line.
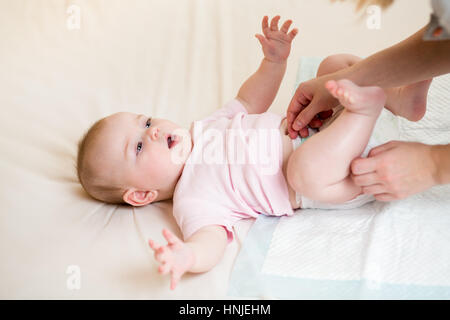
<point x="287" y="151"/>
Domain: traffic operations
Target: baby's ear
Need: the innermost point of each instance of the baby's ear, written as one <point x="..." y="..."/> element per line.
<point x="139" y="198"/>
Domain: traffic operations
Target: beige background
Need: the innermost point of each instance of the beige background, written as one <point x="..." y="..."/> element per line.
<point x="178" y="59"/>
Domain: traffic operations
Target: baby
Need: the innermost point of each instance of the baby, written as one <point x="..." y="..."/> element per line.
<point x="235" y="164"/>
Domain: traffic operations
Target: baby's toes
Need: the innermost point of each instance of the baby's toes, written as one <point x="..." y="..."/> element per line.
<point x="347" y="96"/>
<point x="340" y="92"/>
<point x="332" y="87"/>
<point x="350" y="98"/>
<point x="344" y="96"/>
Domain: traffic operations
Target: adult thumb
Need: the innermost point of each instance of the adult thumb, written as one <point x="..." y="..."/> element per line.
<point x="305" y="117"/>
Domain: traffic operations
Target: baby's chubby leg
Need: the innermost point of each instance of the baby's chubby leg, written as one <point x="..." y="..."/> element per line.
<point x="319" y="169"/>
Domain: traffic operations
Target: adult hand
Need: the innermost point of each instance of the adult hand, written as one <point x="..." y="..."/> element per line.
<point x="395" y="170"/>
<point x="310" y="105"/>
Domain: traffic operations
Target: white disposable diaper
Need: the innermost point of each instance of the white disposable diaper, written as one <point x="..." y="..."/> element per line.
<point x="351" y="204"/>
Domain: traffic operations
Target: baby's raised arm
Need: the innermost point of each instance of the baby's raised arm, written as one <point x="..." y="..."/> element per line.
<point x="202" y="251"/>
<point x="258" y="92"/>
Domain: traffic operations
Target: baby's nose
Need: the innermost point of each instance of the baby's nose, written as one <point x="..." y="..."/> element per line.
<point x="153" y="133"/>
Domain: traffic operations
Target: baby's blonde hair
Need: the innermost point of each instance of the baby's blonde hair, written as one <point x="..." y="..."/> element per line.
<point x="89" y="178"/>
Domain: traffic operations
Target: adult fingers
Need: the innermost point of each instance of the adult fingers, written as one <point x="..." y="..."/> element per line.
<point x="366" y="165"/>
<point x="304" y="117"/>
<point x="385" y="197"/>
<point x="374" y="189"/>
<point x="304" y="132"/>
<point x="364" y="180"/>
<point x="325" y="114"/>
<point x="293" y="134"/>
<point x="315" y="123"/>
<point x="298" y="102"/>
<point x="363" y="165"/>
<point x="381" y="148"/>
<point x="293" y="110"/>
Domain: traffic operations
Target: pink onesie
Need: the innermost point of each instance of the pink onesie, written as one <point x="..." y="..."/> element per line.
<point x="233" y="172"/>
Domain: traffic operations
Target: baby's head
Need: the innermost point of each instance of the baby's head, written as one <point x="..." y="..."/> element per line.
<point x="131" y="158"/>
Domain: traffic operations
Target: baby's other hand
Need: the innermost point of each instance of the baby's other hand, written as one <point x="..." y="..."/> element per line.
<point x="176" y="257"/>
<point x="276" y="43"/>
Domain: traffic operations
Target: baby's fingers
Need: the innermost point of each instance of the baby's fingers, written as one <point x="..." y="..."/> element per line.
<point x="170" y="237"/>
<point x="163" y="254"/>
<point x="164" y="268"/>
<point x="153" y="245"/>
<point x="261" y="39"/>
<point x="286" y="25"/>
<point x="274" y="23"/>
<point x="292" y="34"/>
<point x="265" y="25"/>
<point x="176" y="275"/>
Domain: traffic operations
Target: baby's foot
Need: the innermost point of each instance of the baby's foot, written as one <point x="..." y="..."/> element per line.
<point x="410" y="101"/>
<point x="368" y="101"/>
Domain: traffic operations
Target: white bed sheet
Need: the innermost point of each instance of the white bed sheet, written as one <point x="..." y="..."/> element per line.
<point x="178" y="59"/>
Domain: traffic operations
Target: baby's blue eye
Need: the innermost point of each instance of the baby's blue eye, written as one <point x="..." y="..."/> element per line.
<point x="139" y="147"/>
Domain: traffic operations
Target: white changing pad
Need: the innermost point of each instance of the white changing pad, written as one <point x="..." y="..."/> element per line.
<point x="396" y="250"/>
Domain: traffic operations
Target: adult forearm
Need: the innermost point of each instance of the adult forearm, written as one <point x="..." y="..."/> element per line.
<point x="407" y="62"/>
<point x="261" y="88"/>
<point x="441" y="155"/>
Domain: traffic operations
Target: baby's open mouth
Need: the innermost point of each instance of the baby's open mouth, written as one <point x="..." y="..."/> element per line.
<point x="172" y="141"/>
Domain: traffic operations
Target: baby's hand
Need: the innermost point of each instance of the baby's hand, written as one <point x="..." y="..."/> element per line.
<point x="176" y="257"/>
<point x="276" y="44"/>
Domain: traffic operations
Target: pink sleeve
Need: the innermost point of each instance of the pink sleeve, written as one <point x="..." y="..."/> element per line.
<point x="193" y="214"/>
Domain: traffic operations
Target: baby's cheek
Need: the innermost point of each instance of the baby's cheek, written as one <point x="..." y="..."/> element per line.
<point x="159" y="158"/>
<point x="157" y="161"/>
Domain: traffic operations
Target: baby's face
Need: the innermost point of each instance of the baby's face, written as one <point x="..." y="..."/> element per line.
<point x="143" y="152"/>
